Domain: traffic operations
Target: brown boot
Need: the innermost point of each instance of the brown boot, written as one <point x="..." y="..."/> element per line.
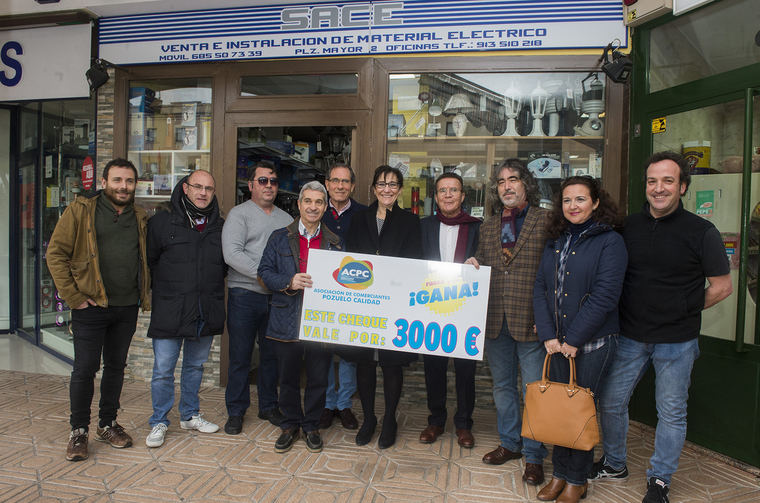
<point x="77" y="448"/>
<point x="573" y="493"/>
<point x="551" y="490"/>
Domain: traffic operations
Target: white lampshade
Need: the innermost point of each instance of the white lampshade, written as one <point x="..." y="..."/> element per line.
<point x="459" y="102"/>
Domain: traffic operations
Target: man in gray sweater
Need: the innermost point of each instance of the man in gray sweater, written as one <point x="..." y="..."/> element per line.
<point x="244" y="236"/>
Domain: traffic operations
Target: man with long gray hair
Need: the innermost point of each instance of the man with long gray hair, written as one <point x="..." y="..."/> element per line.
<point x="511" y="242"/>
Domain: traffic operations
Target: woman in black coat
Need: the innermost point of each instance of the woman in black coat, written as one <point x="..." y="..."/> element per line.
<point x="383" y="229"/>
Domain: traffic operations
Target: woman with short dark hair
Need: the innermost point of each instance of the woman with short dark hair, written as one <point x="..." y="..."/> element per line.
<point x="384" y="228"/>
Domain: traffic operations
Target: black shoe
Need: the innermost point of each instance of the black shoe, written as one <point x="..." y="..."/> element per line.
<point x="286" y="440"/>
<point x="347" y="419"/>
<point x="326" y="420"/>
<point x="234" y="425"/>
<point x="657" y="491"/>
<point x="313" y="441"/>
<point x="366" y="431"/>
<point x="601" y="470"/>
<point x="274" y="416"/>
<point x="387" y="434"/>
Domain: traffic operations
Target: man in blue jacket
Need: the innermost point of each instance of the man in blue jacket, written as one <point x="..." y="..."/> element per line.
<point x="451" y="235"/>
<point x="187" y="269"/>
<point x="283" y="271"/>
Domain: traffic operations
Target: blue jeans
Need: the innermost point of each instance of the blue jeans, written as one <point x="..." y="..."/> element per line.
<point x="503" y="355"/>
<point x="573" y="465"/>
<point x="166" y="353"/>
<point x="247" y="317"/>
<point x="672" y="367"/>
<point x="341" y="399"/>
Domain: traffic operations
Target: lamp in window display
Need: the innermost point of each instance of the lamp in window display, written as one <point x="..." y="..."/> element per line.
<point x="538" y="98"/>
<point x="459" y="104"/>
<point x="593" y="105"/>
<point x="512" y="104"/>
<point x="434" y="110"/>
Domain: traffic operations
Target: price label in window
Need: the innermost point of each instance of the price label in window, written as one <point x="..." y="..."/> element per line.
<point x="658" y="125"/>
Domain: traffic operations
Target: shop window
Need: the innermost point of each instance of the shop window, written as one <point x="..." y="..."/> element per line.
<point x="68" y="145"/>
<point x="470" y="123"/>
<point x="278" y="85"/>
<point x="711" y="139"/>
<point x="169" y="134"/>
<point x="716" y="39"/>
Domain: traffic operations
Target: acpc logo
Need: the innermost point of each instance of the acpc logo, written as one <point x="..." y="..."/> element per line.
<point x="354" y="274"/>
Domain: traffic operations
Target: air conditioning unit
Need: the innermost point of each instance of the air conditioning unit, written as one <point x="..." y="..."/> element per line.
<point x="636" y="12"/>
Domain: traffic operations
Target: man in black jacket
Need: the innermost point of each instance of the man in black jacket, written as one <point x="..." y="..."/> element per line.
<point x="187" y="271"/>
<point x="449" y="236"/>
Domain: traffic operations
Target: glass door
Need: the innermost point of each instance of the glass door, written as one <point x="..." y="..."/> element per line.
<point x="300" y="154"/>
<point x="712" y="140"/>
<point x="27" y="248"/>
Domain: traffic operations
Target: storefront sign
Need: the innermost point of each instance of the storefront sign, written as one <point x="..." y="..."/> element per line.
<point x="377" y="302"/>
<point x="44" y="63"/>
<point x="367" y="28"/>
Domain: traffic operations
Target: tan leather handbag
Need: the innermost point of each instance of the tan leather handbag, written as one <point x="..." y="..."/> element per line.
<point x="560" y="413"/>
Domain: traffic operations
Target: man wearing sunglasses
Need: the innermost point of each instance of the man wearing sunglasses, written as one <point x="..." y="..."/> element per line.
<point x="244" y="237"/>
<point x="340" y="182"/>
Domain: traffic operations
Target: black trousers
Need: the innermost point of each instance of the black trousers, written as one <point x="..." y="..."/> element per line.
<point x="436" y="385"/>
<point x="315" y="359"/>
<point x="105" y="332"/>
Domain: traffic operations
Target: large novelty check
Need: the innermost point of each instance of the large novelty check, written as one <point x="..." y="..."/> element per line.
<point x="418" y="306"/>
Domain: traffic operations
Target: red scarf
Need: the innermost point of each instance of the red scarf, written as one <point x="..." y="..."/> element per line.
<point x="462" y="219"/>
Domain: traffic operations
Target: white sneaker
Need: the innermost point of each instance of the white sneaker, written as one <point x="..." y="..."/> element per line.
<point x="198" y="423"/>
<point x="156" y="436"/>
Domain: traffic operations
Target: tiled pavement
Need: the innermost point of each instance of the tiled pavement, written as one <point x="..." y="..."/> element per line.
<point x="192" y="467"/>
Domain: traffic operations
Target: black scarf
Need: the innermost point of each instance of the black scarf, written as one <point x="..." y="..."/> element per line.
<point x="195" y="213"/>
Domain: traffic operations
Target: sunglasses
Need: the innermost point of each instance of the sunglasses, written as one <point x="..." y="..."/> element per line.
<point x="274" y="182"/>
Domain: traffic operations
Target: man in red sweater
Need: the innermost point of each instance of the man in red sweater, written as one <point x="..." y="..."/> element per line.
<point x="283" y="270"/>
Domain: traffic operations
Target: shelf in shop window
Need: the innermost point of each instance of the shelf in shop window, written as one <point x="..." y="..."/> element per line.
<point x="268" y="150"/>
<point x="180" y="151"/>
<point x="413" y="139"/>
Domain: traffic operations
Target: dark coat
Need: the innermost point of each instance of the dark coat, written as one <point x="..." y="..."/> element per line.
<point x="431" y="236"/>
<point x="401" y="237"/>
<point x="279" y="263"/>
<point x="594" y="275"/>
<point x="187" y="273"/>
<point x="341" y="224"/>
<point x="512" y="281"/>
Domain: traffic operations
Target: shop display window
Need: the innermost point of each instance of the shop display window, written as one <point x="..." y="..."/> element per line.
<point x="68" y="148"/>
<point x="169" y="134"/>
<point x="279" y="85"/>
<point x="469" y="123"/>
<point x="687" y="49"/>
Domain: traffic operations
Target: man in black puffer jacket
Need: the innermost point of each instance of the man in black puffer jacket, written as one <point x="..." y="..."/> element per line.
<point x="187" y="271"/>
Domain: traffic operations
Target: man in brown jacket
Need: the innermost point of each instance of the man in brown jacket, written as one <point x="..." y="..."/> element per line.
<point x="97" y="258"/>
<point x="511" y="242"/>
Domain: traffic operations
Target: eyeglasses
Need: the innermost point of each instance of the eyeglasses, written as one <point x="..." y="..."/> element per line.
<point x="341" y="181"/>
<point x="451" y="190"/>
<point x="199" y="187"/>
<point x="274" y="182"/>
<point x="390" y="185"/>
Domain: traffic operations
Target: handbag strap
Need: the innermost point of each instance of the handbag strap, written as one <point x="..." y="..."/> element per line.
<point x="572" y="381"/>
